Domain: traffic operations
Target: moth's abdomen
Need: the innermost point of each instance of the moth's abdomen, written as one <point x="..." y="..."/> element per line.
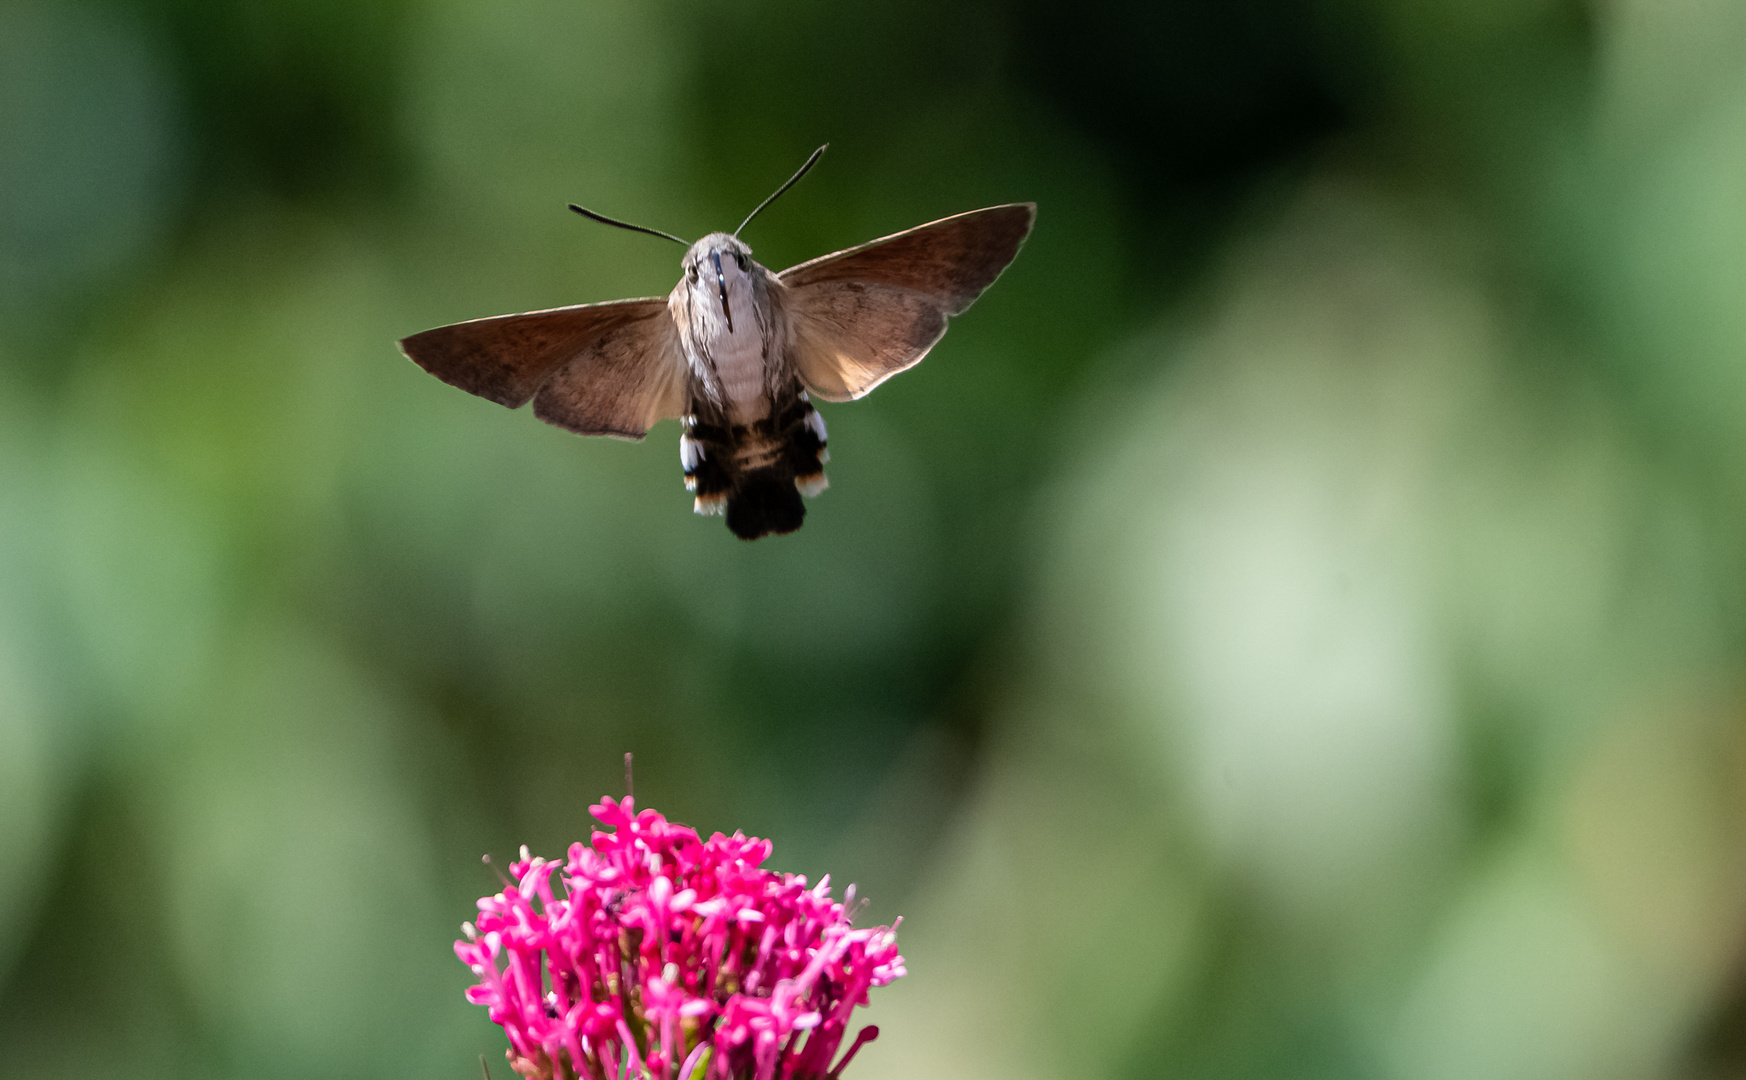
<point x="756" y="473"/>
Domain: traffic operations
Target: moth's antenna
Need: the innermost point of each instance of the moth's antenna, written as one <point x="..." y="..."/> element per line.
<point x="627" y="775"/>
<point x="604" y="220"/>
<point x="484" y="1068"/>
<point x="792" y="180"/>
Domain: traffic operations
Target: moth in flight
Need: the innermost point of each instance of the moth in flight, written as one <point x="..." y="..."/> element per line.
<point x="735" y="353"/>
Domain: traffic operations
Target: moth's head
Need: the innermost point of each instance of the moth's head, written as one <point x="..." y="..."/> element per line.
<point x="700" y="260"/>
<point x="719" y="266"/>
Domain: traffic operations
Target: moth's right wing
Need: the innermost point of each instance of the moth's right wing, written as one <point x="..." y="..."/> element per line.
<point x="858" y="317"/>
<point x="595" y="369"/>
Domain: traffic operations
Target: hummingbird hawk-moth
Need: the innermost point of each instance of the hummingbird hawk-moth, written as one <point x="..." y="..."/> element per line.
<point x="735" y="353"/>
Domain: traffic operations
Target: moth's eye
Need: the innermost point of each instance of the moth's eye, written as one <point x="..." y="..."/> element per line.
<point x="691" y="274"/>
<point x="741" y="259"/>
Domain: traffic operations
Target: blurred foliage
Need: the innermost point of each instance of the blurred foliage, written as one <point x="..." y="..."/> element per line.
<point x="1295" y="626"/>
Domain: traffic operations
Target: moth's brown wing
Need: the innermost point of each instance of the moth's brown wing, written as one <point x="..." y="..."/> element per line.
<point x="596" y="369"/>
<point x="862" y="315"/>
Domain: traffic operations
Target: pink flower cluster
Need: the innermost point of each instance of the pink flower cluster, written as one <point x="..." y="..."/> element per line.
<point x="661" y="956"/>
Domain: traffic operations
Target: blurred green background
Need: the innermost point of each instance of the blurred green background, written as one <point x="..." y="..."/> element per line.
<point x="1293" y="627"/>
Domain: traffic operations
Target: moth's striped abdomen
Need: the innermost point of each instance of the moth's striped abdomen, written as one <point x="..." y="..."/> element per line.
<point x="756" y="473"/>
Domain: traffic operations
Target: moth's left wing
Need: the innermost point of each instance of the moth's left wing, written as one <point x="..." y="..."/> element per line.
<point x="860" y="316"/>
<point x="595" y="369"/>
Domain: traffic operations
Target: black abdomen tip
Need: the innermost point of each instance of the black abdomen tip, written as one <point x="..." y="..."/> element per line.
<point x="764" y="503"/>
